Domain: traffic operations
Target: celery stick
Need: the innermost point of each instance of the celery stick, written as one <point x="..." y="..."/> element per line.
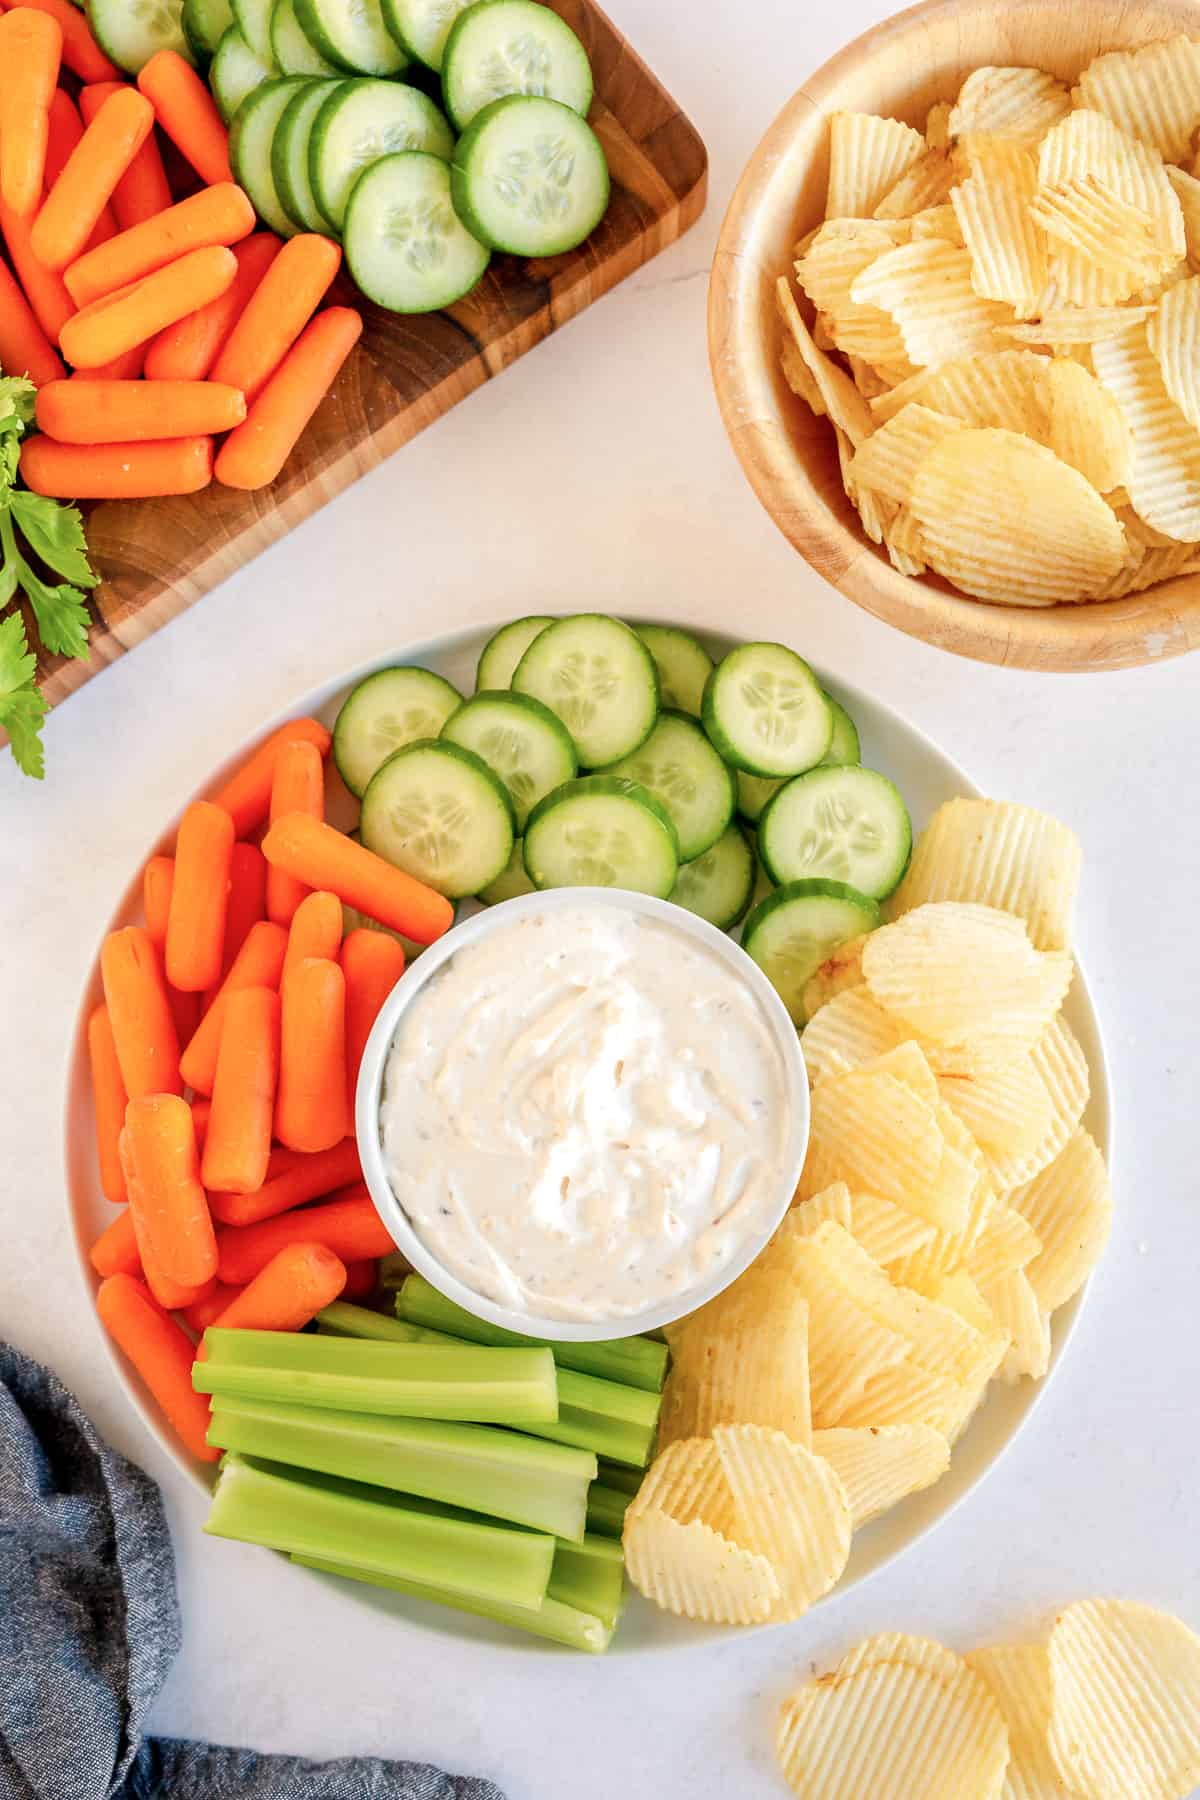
<point x="392" y="1271"/>
<point x="502" y="1473"/>
<point x="606" y="1507"/>
<point x="614" y="1421"/>
<point x="553" y="1619"/>
<point x="341" y="1319"/>
<point x="285" y="1509"/>
<point x="591" y="1577"/>
<point x="612" y="1475"/>
<point x="637" y="1362"/>
<point x="420" y="1381"/>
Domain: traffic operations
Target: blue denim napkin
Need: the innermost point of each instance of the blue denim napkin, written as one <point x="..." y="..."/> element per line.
<point x="89" y="1626"/>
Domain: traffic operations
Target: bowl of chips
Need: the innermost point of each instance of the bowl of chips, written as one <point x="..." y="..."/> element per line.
<point x="954" y="328"/>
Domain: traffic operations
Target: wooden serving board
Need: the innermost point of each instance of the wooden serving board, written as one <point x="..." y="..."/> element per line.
<point x="157" y="557"/>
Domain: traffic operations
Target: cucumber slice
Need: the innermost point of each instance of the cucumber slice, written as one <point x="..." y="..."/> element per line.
<point x="250" y="139"/>
<point x="386" y="711"/>
<point x="683" y="666"/>
<point x="602" y="831"/>
<point x="792" y="932"/>
<point x="253" y="20"/>
<point x="205" y="23"/>
<point x="289" y="155"/>
<point x="352" y="34"/>
<point x="405" y="245"/>
<point x="512" y="881"/>
<point x="130" y="35"/>
<point x="503" y="47"/>
<point x="520" y="740"/>
<point x="679" y="766"/>
<point x="422" y="26"/>
<point x="504" y="650"/>
<point x="439" y="813"/>
<point x="717" y="886"/>
<point x="846" y="823"/>
<point x="753" y="792"/>
<point x="363" y="121"/>
<point x="765" y="711"/>
<point x="844" y="747"/>
<point x="235" y="72"/>
<point x="763" y="885"/>
<point x="599" y="678"/>
<point x="291" y="49"/>
<point x="529" y="176"/>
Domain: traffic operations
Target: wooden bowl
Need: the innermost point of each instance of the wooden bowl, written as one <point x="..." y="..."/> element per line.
<point x="899" y="69"/>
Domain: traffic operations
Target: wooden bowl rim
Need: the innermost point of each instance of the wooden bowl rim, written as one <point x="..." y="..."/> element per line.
<point x="1089" y="637"/>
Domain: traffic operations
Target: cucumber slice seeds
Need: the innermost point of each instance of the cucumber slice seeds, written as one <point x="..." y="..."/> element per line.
<point x="847" y="823"/>
<point x="600" y="680"/>
<point x="439" y="813"/>
<point x="502" y="47"/>
<point x="405" y="245"/>
<point x="529" y="177"/>
<point x="388" y="710"/>
<point x="520" y="740"/>
<point x="679" y="766"/>
<point x="602" y="831"/>
<point x="764" y="710"/>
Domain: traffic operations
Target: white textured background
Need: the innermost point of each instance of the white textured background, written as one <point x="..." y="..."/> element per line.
<point x="596" y="474"/>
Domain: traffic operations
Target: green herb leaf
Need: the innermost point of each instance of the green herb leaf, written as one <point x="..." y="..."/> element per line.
<point x="61" y="614"/>
<point x="55" y="531"/>
<point x="18" y="402"/>
<point x="22" y="708"/>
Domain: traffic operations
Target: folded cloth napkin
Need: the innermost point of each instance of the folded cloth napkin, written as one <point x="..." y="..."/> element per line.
<point x="89" y="1626"/>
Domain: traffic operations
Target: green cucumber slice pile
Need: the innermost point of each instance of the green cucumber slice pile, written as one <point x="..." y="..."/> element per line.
<point x="501" y="48"/>
<point x="529" y="177"/>
<point x="566" y="768"/>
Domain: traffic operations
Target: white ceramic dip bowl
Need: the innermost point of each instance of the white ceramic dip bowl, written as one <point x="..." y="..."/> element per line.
<point x="692" y="932"/>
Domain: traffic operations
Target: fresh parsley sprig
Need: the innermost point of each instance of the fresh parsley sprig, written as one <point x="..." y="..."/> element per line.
<point x="54" y="533"/>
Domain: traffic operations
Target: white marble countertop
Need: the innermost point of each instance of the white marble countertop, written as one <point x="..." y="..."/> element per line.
<point x="595" y="473"/>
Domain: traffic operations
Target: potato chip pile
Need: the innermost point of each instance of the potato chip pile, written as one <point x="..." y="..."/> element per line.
<point x="1109" y="1709"/>
<point x="1014" y="304"/>
<point x="950" y="1202"/>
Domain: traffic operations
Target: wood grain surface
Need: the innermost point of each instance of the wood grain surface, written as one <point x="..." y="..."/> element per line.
<point x="899" y="69"/>
<point x="157" y="557"/>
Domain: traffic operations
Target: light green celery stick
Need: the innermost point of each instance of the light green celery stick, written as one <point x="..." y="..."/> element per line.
<point x="637" y="1361"/>
<point x="590" y="1576"/>
<point x="606" y="1507"/>
<point x="393" y="1269"/>
<point x="502" y="1473"/>
<point x="341" y="1319"/>
<point x="553" y="1619"/>
<point x="419" y="1381"/>
<point x="614" y="1421"/>
<point x="286" y="1509"/>
<point x="612" y="1475"/>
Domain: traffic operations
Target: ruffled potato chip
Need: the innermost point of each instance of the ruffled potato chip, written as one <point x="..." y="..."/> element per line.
<point x="1018" y="1678"/>
<point x="1078" y="324"/>
<point x="881" y="1136"/>
<point x="1008" y="252"/>
<point x="881" y="1465"/>
<point x="962" y="1295"/>
<point x="832" y="1203"/>
<point x="902" y="539"/>
<point x="924" y="184"/>
<point x="748" y="1366"/>
<point x="693" y="1571"/>
<point x="796" y="374"/>
<point x="1125" y="243"/>
<point x="1187" y="192"/>
<point x="1173" y="333"/>
<point x="937" y="124"/>
<point x="926" y="287"/>
<point x="1010" y="102"/>
<point x="1125" y="1712"/>
<point x="887" y="1232"/>
<point x="1153" y="93"/>
<point x="849" y="1030"/>
<point x="1062" y="1067"/>
<point x="887" y="462"/>
<point x="686" y="1482"/>
<point x="1018" y="1311"/>
<point x="791" y="1508"/>
<point x="1006" y="389"/>
<point x="842" y="400"/>
<point x="1087" y="146"/>
<point x="1164" y="473"/>
<point x="1069" y="1206"/>
<point x="1006" y="1110"/>
<point x="1087" y="427"/>
<point x="1006" y="1243"/>
<point x="867" y="155"/>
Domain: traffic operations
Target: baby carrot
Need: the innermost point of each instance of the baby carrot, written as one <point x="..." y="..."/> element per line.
<point x="201" y="1109"/>
<point x="170" y="1210"/>
<point x="361" y="1280"/>
<point x="125" y="412"/>
<point x="117" y="322"/>
<point x="24" y="347"/>
<point x="126" y="367"/>
<point x="109" y="1100"/>
<point x="30" y="53"/>
<point x="203" y="1313"/>
<point x="372" y="963"/>
<point x="162" y="1354"/>
<point x="157" y="880"/>
<point x="246" y="796"/>
<point x="316" y="930"/>
<point x="187" y="350"/>
<point x="349" y="1226"/>
<point x="238" y="1147"/>
<point x="65" y="133"/>
<point x="247" y="900"/>
<point x="309" y="1178"/>
<point x="116" y="471"/>
<point x="288" y="1291"/>
<point x="258" y="963"/>
<point x="142" y="191"/>
<point x="252" y="456"/>
<point x="199" y="895"/>
<point x="74" y="204"/>
<point x="215" y="216"/>
<point x="324" y="858"/>
<point x="115" y="1251"/>
<point x="297" y="785"/>
<point x="80" y="51"/>
<point x="187" y="114"/>
<point x="42" y="289"/>
<point x="311" y="1111"/>
<point x="286" y="299"/>
<point x="140" y="1013"/>
<point x="171" y="1295"/>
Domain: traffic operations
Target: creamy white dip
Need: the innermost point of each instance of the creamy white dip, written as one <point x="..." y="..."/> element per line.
<point x="584" y="1114"/>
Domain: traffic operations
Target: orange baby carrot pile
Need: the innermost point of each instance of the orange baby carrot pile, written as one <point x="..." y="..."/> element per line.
<point x="311" y="1112"/>
<point x="286" y="299"/>
<point x="139" y="1012"/>
<point x="199" y="894"/>
<point x="116" y="471"/>
<point x="253" y="455"/>
<point x="142" y="191"/>
<point x="246" y="796"/>
<point x="372" y="963"/>
<point x="215" y="217"/>
<point x="187" y="350"/>
<point x="170" y="1210"/>
<point x="309" y="1178"/>
<point x="162" y="1355"/>
<point x="31" y="46"/>
<point x="188" y="114"/>
<point x="297" y="785"/>
<point x="316" y="930"/>
<point x="65" y="134"/>
<point x="324" y="858"/>
<point x="117" y="321"/>
<point x="288" y="1291"/>
<point x="83" y="411"/>
<point x="78" y="197"/>
<point x="108" y="1094"/>
<point x="259" y="963"/>
<point x="237" y="1149"/>
<point x="348" y="1225"/>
